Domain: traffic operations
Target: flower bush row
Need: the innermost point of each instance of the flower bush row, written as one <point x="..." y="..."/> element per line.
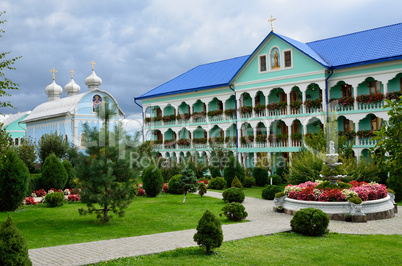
<point x="308" y="191"/>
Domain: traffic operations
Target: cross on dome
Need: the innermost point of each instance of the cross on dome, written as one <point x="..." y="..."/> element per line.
<point x="272" y="22"/>
<point x="93" y="65"/>
<point x="72" y="72"/>
<point x="53" y="71"/>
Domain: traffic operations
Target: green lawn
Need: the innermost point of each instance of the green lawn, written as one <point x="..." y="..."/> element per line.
<point x="43" y="226"/>
<point x="285" y="249"/>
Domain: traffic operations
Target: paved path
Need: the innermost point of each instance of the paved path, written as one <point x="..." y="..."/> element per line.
<point x="263" y="221"/>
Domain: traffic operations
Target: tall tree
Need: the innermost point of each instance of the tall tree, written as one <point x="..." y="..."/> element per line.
<point x="52" y="143"/>
<point x="4" y="140"/>
<point x="388" y="150"/>
<point x="27" y="152"/>
<point x="6" y="64"/>
<point x="104" y="170"/>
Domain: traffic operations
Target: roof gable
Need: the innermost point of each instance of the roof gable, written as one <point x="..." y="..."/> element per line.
<point x="202" y="77"/>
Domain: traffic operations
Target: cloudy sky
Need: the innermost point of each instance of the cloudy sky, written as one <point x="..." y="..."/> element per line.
<point x="138" y="45"/>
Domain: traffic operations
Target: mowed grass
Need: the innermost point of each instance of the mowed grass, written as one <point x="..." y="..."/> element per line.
<point x="43" y="226"/>
<point x="284" y="249"/>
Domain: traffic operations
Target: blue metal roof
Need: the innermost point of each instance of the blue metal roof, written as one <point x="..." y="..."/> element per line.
<point x="375" y="45"/>
<point x="365" y="47"/>
<point x="202" y="77"/>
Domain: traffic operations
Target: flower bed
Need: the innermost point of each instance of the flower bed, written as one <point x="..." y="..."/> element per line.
<point x="246" y="110"/>
<point x="259" y="108"/>
<point x="230" y="139"/>
<point x="184" y="142"/>
<point x="276" y="106"/>
<point x="365" y="133"/>
<point x="230" y="112"/>
<point x="261" y="138"/>
<point x="370" y="98"/>
<point x="215" y="113"/>
<point x="308" y="191"/>
<point x="313" y="103"/>
<point x="344" y="101"/>
<point x="200" y="141"/>
<point x="183" y="117"/>
<point x="393" y="95"/>
<point x="296" y="104"/>
<point x="216" y="140"/>
<point x="169" y="118"/>
<point x="348" y="134"/>
<point x="247" y="139"/>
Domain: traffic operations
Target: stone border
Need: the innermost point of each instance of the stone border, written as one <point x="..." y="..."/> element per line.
<point x="372" y="209"/>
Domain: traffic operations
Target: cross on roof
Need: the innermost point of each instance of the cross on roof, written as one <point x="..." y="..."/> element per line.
<point x="93" y="65"/>
<point x="53" y="71"/>
<point x="272" y="22"/>
<point x="72" y="72"/>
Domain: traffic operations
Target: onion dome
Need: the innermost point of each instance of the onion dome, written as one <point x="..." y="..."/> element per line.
<point x="72" y="88"/>
<point x="93" y="81"/>
<point x="53" y="90"/>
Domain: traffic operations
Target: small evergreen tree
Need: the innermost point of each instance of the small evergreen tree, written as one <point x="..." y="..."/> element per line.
<point x="14" y="181"/>
<point x="4" y="140"/>
<point x="305" y="166"/>
<point x="233" y="168"/>
<point x="13" y="247"/>
<point x="152" y="181"/>
<point x="261" y="176"/>
<point x="52" y="143"/>
<point x="188" y="182"/>
<point x="209" y="232"/>
<point x="27" y="152"/>
<point x="53" y="173"/>
<point x="104" y="171"/>
<point x="70" y="173"/>
<point x="236" y="183"/>
<point x="174" y="185"/>
<point x="202" y="189"/>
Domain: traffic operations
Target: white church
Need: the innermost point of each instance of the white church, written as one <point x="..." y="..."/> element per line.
<point x="67" y="115"/>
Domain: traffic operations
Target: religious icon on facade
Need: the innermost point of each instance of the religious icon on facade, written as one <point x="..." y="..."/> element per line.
<point x="96" y="102"/>
<point x="275" y="59"/>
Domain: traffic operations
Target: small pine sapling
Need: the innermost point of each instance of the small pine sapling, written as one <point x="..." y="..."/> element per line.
<point x="209" y="232"/>
<point x="202" y="189"/>
<point x="188" y="182"/>
<point x="236" y="183"/>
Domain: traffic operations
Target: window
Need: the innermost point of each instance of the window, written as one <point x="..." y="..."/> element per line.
<point x="283" y="97"/>
<point x="346" y="90"/>
<point x="263" y="63"/>
<point x="158" y="112"/>
<point x="220" y="106"/>
<point x="374" y="86"/>
<point x="288" y="58"/>
<point x="257" y="99"/>
<point x="293" y="96"/>
<point x="284" y="128"/>
<point x="295" y="127"/>
<point x="16" y="142"/>
<point x="376" y="123"/>
<point x="347" y="124"/>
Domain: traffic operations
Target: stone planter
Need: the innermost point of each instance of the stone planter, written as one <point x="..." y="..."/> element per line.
<point x="279" y="201"/>
<point x="355" y="209"/>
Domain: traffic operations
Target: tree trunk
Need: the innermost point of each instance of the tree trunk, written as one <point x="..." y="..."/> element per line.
<point x="184" y="200"/>
<point x="105" y="213"/>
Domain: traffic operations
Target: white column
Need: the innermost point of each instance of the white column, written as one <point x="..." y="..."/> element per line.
<point x="357" y="129"/>
<point x="385" y="88"/>
<point x="304" y="109"/>
<point x="255" y="158"/>
<point x="290" y="133"/>
<point x="288" y="102"/>
<point x="355" y="95"/>
<point x="324" y="97"/>
<point x="255" y="137"/>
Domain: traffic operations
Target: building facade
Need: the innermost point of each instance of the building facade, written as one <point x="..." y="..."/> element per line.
<point x="11" y="124"/>
<point x="267" y="102"/>
<point x="67" y="116"/>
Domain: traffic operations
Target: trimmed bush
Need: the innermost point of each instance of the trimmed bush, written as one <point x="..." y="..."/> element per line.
<point x="276" y="180"/>
<point x="261" y="176"/>
<point x="217" y="183"/>
<point x="328" y="185"/>
<point x="70" y="174"/>
<point x="234" y="211"/>
<point x="152" y="181"/>
<point x="174" y="185"/>
<point x="269" y="192"/>
<point x="279" y="195"/>
<point x="53" y="173"/>
<point x="209" y="232"/>
<point x="236" y="183"/>
<point x="355" y="200"/>
<point x="233" y="168"/>
<point x="215" y="171"/>
<point x="54" y="199"/>
<point x="14" y="181"/>
<point x="233" y="194"/>
<point x="249" y="182"/>
<point x="202" y="189"/>
<point x="13" y="247"/>
<point x="34" y="183"/>
<point x="310" y="222"/>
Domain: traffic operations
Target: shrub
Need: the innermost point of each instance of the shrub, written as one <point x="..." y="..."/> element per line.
<point x="34" y="183"/>
<point x="279" y="195"/>
<point x="152" y="181"/>
<point x="215" y="171"/>
<point x="14" y="181"/>
<point x="188" y="182"/>
<point x="54" y="199"/>
<point x="276" y="179"/>
<point x="261" y="176"/>
<point x="209" y="232"/>
<point x="310" y="221"/>
<point x="52" y="143"/>
<point x="30" y="201"/>
<point x="53" y="173"/>
<point x="174" y="185"/>
<point x="328" y="185"/>
<point x="73" y="197"/>
<point x="233" y="194"/>
<point x="233" y="168"/>
<point x="249" y="182"/>
<point x="70" y="174"/>
<point x="236" y="183"/>
<point x="217" y="183"/>
<point x="202" y="189"/>
<point x="355" y="200"/>
<point x="305" y="167"/>
<point x="269" y="192"/>
<point x="13" y="247"/>
<point x="234" y="211"/>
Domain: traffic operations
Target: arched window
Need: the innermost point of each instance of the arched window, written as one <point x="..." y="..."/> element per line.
<point x="16" y="141"/>
<point x="66" y="137"/>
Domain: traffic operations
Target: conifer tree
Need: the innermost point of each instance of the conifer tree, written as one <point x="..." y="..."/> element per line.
<point x="27" y="152"/>
<point x="188" y="182"/>
<point x="54" y="174"/>
<point x="233" y="168"/>
<point x="209" y="232"/>
<point x="13" y="247"/>
<point x="104" y="170"/>
<point x="236" y="183"/>
<point x="14" y="180"/>
<point x="202" y="189"/>
<point x="152" y="181"/>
